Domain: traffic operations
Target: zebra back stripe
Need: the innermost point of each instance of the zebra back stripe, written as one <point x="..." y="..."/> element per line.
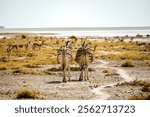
<point x="84" y="57"/>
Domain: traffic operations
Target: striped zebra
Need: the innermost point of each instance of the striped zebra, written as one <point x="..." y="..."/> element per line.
<point x="64" y="57"/>
<point x="84" y="57"/>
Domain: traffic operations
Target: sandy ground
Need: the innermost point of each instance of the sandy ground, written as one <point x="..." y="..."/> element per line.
<point x="101" y="86"/>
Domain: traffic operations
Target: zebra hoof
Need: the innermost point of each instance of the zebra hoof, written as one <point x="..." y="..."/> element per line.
<point x="64" y="81"/>
<point x="80" y="79"/>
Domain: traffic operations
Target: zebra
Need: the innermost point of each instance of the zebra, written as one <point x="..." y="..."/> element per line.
<point x="64" y="57"/>
<point x="37" y="45"/>
<point x="84" y="57"/>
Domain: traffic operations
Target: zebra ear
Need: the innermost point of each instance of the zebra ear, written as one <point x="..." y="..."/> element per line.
<point x="83" y="44"/>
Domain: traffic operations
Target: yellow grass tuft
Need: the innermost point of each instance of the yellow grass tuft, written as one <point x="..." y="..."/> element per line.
<point x="135" y="83"/>
<point x="127" y="64"/>
<point x="26" y="93"/>
<point x="139" y="97"/>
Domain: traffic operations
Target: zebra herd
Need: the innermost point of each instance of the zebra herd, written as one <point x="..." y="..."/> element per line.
<point x="84" y="56"/>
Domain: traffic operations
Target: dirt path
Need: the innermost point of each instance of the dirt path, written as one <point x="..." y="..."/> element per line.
<point x="99" y="91"/>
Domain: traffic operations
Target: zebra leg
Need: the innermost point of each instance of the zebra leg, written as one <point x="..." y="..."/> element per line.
<point x="64" y="76"/>
<point x="81" y="76"/>
<point x="87" y="73"/>
<point x="69" y="73"/>
<point x="17" y="48"/>
<point x="9" y="52"/>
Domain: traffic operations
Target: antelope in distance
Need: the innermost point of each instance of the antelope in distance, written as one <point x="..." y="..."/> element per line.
<point x="10" y="48"/>
<point x="84" y="57"/>
<point x="37" y="45"/>
<point x="27" y="45"/>
<point x="147" y="46"/>
<point x="64" y="58"/>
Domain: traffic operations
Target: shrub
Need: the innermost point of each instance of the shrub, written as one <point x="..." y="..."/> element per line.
<point x="31" y="55"/>
<point x="105" y="71"/>
<point x="3" y="68"/>
<point x="23" y="70"/>
<point x="145" y="88"/>
<point x="111" y="74"/>
<point x="127" y="64"/>
<point x="23" y="36"/>
<point x="26" y="94"/>
<point x="73" y="37"/>
<point x="54" y="69"/>
<point x="3" y="59"/>
<point x="17" y="71"/>
<point x="20" y="46"/>
<point x="31" y="66"/>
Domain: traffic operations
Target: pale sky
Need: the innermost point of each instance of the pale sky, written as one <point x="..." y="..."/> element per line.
<point x="74" y="13"/>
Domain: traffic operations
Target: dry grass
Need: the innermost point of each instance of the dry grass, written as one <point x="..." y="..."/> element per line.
<point x="112" y="74"/>
<point x="145" y="88"/>
<point x="31" y="66"/>
<point x="26" y="93"/>
<point x="139" y="97"/>
<point x="25" y="61"/>
<point x="3" y="68"/>
<point x="26" y="71"/>
<point x="109" y="72"/>
<point x="124" y="55"/>
<point x="135" y="83"/>
<point x="105" y="71"/>
<point x="127" y="64"/>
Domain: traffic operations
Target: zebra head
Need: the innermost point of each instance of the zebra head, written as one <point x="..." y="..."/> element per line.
<point x="69" y="44"/>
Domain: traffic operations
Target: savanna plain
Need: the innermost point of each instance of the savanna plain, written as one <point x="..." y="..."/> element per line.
<point x="120" y="69"/>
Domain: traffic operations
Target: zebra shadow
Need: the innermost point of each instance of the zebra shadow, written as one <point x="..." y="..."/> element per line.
<point x="54" y="82"/>
<point x="75" y="80"/>
<point x="58" y="82"/>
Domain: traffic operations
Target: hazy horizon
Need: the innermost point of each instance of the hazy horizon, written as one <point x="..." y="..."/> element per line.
<point x="134" y="27"/>
<point x="73" y="13"/>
